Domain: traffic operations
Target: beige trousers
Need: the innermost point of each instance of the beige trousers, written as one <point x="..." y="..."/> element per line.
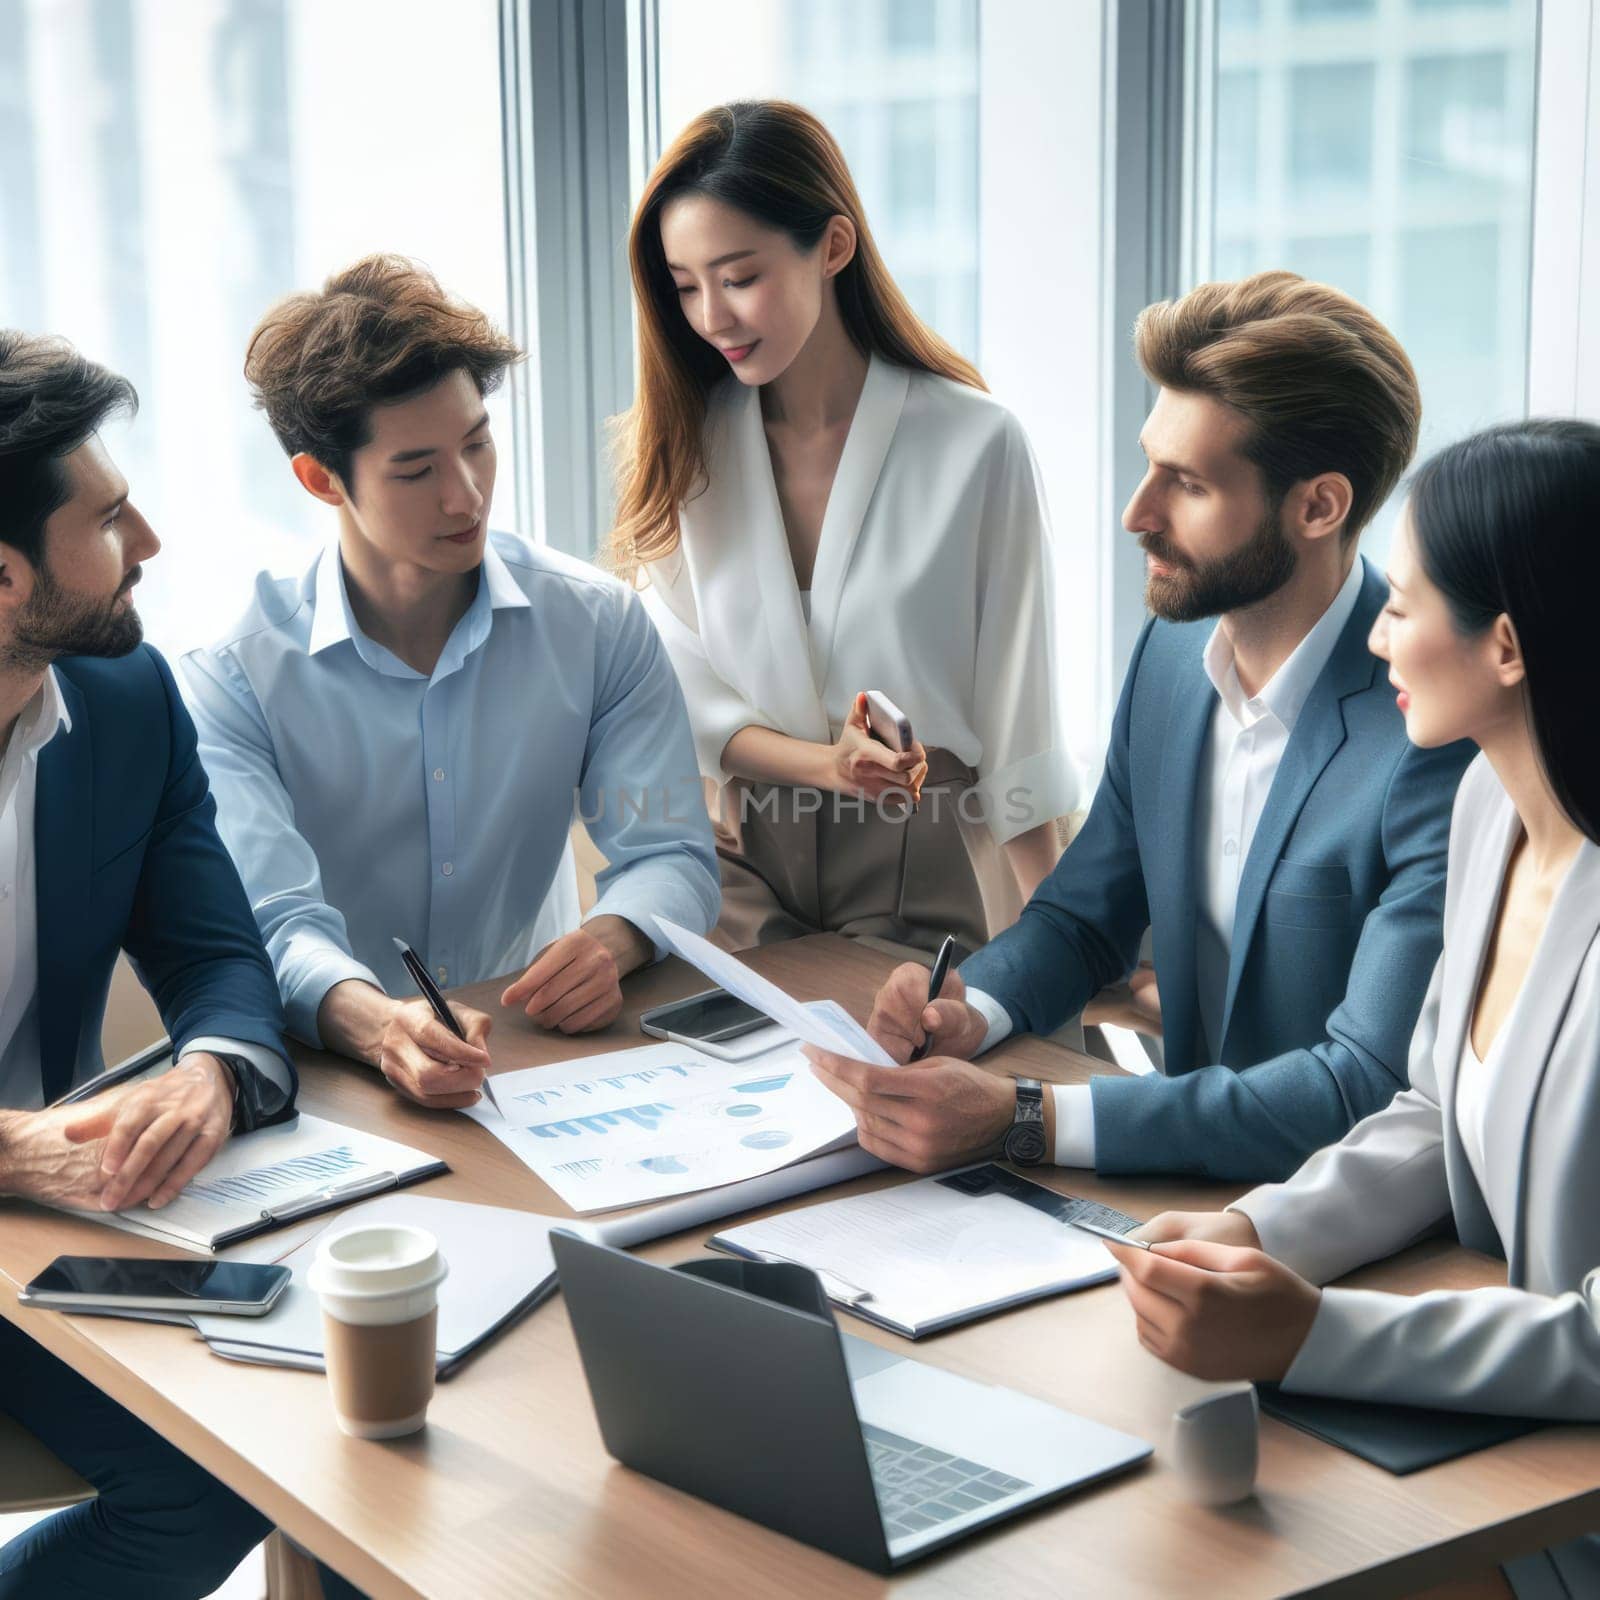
<point x="799" y="861"/>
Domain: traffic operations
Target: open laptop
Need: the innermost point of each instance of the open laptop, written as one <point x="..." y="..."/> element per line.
<point x="731" y="1380"/>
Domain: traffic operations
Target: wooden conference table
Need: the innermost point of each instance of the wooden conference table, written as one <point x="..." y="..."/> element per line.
<point x="508" y="1492"/>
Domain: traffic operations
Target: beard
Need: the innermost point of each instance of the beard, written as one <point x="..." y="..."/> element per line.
<point x="1193" y="590"/>
<point x="56" y="622"/>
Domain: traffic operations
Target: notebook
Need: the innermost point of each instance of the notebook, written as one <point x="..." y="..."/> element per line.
<point x="933" y="1254"/>
<point x="262" y="1180"/>
<point x="1400" y="1439"/>
<point x="500" y="1268"/>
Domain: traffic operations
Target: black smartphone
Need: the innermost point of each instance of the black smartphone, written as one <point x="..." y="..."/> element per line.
<point x="710" y="1018"/>
<point x="133" y="1283"/>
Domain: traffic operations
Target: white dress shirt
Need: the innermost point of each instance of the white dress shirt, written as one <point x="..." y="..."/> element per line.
<point x="363" y="800"/>
<point x="21" y="1083"/>
<point x="41" y="719"/>
<point x="1244" y="746"/>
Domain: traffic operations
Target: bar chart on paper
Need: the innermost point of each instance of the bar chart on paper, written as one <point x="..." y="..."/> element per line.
<point x="662" y="1120"/>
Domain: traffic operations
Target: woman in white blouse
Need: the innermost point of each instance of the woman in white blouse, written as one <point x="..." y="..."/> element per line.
<point x="822" y="500"/>
<point x="1490" y="637"/>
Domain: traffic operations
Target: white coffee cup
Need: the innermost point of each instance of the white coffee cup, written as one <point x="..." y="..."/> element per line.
<point x="1215" y="1446"/>
<point x="379" y="1288"/>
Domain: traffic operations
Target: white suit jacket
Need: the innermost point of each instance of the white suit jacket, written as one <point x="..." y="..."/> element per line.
<point x="932" y="583"/>
<point x="1533" y="1348"/>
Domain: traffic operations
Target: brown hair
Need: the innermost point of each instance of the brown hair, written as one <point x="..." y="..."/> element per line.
<point x="1323" y="385"/>
<point x="378" y="332"/>
<point x="775" y="162"/>
<point x="51" y="400"/>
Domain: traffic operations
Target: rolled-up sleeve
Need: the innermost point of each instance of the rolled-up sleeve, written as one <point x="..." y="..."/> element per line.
<point x="1025" y="775"/>
<point x="716" y="710"/>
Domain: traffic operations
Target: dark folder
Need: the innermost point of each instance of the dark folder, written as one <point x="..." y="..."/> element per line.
<point x="1399" y="1439"/>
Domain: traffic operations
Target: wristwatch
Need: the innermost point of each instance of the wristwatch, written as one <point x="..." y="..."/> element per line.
<point x="1024" y="1142"/>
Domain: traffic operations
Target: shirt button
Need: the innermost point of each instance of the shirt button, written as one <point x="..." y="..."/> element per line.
<point x="447" y="869"/>
<point x="1230" y="848"/>
<point x="438" y="774"/>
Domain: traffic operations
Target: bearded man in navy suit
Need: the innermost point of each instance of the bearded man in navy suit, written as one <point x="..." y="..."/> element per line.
<point x="108" y="844"/>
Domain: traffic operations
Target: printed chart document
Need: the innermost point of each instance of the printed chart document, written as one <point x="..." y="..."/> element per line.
<point x="261" y="1180"/>
<point x="633" y="1126"/>
<point x="500" y="1266"/>
<point x="941" y="1251"/>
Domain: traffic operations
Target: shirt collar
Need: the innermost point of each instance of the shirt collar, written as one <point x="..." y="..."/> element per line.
<point x="44" y="716"/>
<point x="1285" y="694"/>
<point x="333" y="622"/>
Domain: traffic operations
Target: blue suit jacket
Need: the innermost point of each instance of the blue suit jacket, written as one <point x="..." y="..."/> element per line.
<point x="128" y="858"/>
<point x="1337" y="928"/>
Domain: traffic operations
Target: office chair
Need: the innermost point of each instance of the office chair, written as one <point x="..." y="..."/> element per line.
<point x="33" y="1478"/>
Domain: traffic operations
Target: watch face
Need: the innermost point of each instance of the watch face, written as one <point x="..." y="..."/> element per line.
<point x="1025" y="1144"/>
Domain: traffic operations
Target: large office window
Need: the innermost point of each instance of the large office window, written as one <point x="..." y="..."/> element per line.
<point x="1385" y="147"/>
<point x="896" y="81"/>
<point x="167" y="171"/>
<point x="972" y="128"/>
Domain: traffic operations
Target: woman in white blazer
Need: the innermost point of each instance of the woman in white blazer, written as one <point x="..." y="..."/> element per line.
<point x="1489" y="635"/>
<point x="822" y="499"/>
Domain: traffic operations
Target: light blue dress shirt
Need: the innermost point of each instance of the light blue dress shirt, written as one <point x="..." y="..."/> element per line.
<point x="363" y="800"/>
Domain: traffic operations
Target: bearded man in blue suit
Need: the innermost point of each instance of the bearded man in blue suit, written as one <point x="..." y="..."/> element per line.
<point x="1261" y="814"/>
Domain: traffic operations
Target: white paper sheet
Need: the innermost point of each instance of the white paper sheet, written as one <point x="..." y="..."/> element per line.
<point x="923" y="1254"/>
<point x="824" y="1023"/>
<point x="633" y="1126"/>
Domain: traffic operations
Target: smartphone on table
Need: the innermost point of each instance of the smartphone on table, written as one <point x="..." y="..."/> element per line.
<point x="109" y="1284"/>
<point x="714" y="1021"/>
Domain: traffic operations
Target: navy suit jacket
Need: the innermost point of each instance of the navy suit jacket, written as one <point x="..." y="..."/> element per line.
<point x="128" y="858"/>
<point x="1336" y="933"/>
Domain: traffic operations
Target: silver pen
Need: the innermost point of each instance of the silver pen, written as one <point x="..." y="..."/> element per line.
<point x="1106" y="1233"/>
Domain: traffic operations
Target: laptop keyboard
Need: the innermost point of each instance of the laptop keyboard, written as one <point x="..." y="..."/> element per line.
<point x="920" y="1487"/>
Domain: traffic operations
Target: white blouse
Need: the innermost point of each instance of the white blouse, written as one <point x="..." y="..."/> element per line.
<point x="932" y="584"/>
<point x="1472" y="1103"/>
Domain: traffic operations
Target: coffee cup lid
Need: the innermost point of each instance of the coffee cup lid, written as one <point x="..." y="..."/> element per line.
<point x="376" y="1259"/>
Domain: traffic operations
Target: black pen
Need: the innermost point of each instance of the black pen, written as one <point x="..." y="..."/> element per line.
<point x="941" y="966"/>
<point x="430" y="993"/>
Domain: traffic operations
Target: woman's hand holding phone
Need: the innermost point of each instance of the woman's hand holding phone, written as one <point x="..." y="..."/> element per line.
<point x="865" y="766"/>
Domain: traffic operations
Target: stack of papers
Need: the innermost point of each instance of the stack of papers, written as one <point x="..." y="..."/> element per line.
<point x="633" y="1126"/>
<point x="942" y="1251"/>
<point x="500" y="1266"/>
<point x="636" y="1126"/>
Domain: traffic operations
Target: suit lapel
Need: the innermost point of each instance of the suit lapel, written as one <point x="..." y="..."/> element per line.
<point x="1193" y="706"/>
<point x="1318" y="733"/>
<point x="1472" y="899"/>
<point x="63" y="845"/>
<point x="1530" y="1037"/>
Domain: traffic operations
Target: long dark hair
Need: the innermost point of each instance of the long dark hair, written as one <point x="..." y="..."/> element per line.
<point x="1508" y="520"/>
<point x="777" y="163"/>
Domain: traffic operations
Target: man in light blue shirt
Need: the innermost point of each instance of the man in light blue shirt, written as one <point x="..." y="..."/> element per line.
<point x="397" y="739"/>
